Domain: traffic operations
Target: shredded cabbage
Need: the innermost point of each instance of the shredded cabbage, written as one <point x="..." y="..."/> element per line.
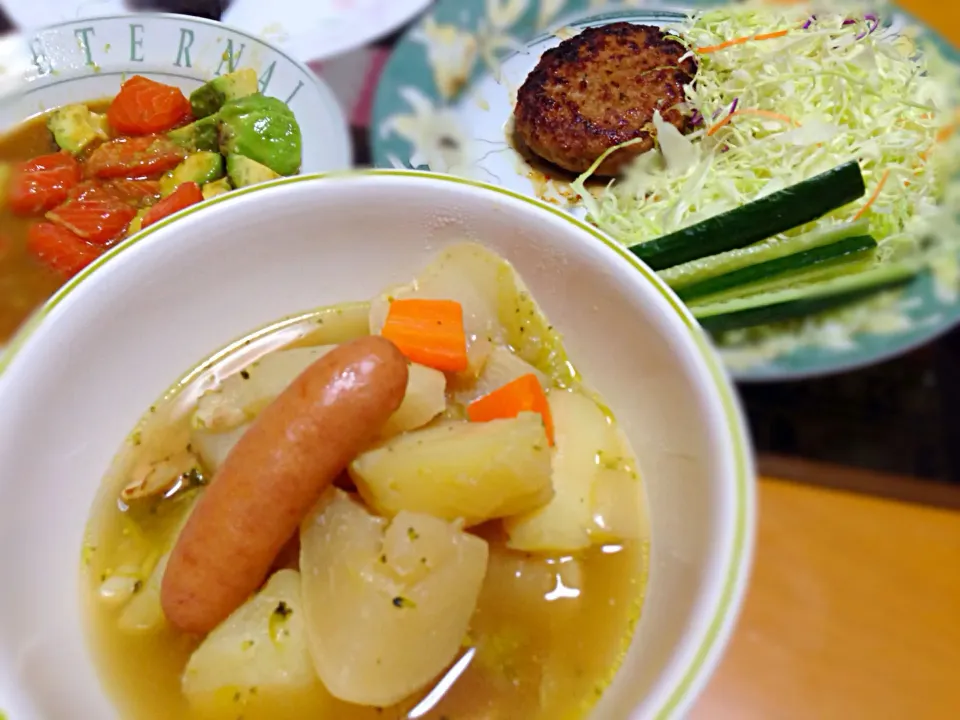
<point x="846" y="87"/>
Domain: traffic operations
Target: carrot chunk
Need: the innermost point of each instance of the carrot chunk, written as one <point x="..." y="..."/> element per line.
<point x="521" y="395"/>
<point x="186" y="194"/>
<point x="59" y="249"/>
<point x="134" y="157"/>
<point x="97" y="221"/>
<point x="42" y="183"/>
<point x="428" y="332"/>
<point x="144" y="106"/>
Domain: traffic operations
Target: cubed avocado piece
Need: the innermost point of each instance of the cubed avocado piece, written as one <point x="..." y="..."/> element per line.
<point x="76" y="127"/>
<point x="263" y="129"/>
<point x="208" y="98"/>
<point x="136" y="225"/>
<point x="199" y="135"/>
<point x="200" y="167"/>
<point x="217" y="187"/>
<point x="243" y="171"/>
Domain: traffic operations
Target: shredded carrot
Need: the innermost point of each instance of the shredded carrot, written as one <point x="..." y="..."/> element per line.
<point x="750" y="111"/>
<point x="944" y="133"/>
<point x="770" y="35"/>
<point x="769" y="114"/>
<point x="521" y="395"/>
<point x="429" y="332"/>
<point x="716" y="126"/>
<point x="740" y="41"/>
<point x="873" y="196"/>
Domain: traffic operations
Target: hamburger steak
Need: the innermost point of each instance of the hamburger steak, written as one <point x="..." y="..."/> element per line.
<point x="599" y="89"/>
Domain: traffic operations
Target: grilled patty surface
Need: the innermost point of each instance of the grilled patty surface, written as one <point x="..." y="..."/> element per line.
<point x="599" y="89"/>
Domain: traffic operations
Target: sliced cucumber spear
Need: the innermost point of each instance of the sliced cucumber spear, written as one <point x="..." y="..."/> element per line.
<point x="799" y="302"/>
<point x="756" y="220"/>
<point x="742" y="271"/>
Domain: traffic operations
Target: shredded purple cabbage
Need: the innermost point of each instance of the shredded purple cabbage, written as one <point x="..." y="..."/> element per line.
<point x="873" y="22"/>
<point x="730" y="110"/>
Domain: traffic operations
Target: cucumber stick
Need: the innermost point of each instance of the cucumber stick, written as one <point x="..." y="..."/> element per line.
<point x="849" y="264"/>
<point x="847" y="248"/>
<point x="800" y="302"/>
<point x="756" y="220"/>
<point x="707" y="268"/>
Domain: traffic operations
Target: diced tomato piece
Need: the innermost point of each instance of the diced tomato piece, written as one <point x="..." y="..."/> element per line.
<point x="60" y="249"/>
<point x="144" y="106"/>
<point x="96" y="221"/>
<point x="186" y="194"/>
<point x="132" y="192"/>
<point x="42" y="183"/>
<point x="134" y="157"/>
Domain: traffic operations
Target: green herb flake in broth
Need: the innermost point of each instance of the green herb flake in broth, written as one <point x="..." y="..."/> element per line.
<point x="86" y="554"/>
<point x="278" y="621"/>
<point x="283" y="610"/>
<point x="402" y="602"/>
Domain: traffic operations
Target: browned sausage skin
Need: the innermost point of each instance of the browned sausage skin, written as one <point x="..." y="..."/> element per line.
<point x="274" y="476"/>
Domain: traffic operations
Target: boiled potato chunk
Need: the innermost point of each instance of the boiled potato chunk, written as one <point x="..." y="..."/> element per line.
<point x="586" y="443"/>
<point x="224" y="413"/>
<point x="469" y="274"/>
<point x="241" y="396"/>
<point x="618" y="512"/>
<point x="497" y="309"/>
<point x="387" y="603"/>
<point x="262" y="645"/>
<point x="424" y="399"/>
<point x="469" y="471"/>
<point x="213" y="447"/>
<point x="143" y="614"/>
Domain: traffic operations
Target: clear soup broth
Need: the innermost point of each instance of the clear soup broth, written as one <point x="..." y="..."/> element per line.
<point x="547" y="596"/>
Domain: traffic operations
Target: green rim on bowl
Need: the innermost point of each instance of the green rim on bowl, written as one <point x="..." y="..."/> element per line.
<point x="737" y="556"/>
<point x="408" y="88"/>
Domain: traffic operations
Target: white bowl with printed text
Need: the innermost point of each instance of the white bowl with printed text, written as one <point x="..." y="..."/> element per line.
<point x="88" y="59"/>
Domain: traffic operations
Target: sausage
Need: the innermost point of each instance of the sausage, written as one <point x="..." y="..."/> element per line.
<point x="289" y="556"/>
<point x="274" y="476"/>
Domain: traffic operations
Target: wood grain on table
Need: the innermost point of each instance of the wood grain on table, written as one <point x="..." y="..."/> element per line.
<point x="853" y="611"/>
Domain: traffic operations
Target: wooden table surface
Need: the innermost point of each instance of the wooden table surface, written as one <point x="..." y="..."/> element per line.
<point x="853" y="611"/>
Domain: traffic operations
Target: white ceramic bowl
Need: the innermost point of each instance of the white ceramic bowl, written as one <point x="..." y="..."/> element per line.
<point x="79" y="375"/>
<point x="88" y="58"/>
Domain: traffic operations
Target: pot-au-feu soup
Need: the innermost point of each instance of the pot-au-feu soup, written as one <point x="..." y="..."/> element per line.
<point x="404" y="508"/>
<point x="77" y="180"/>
